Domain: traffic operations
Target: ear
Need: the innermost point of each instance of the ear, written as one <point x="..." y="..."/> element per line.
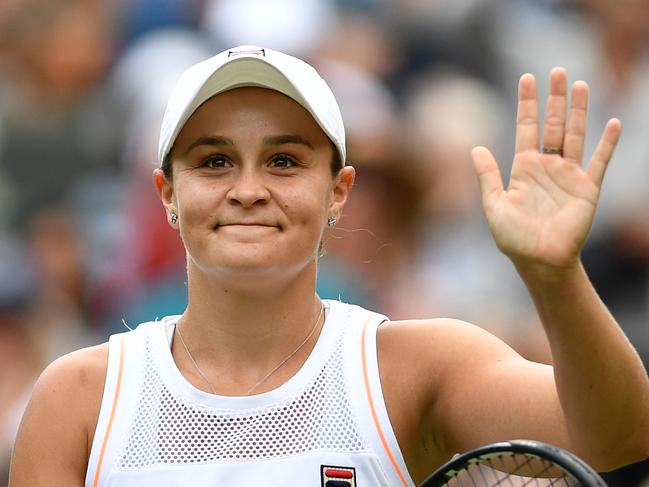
<point x="342" y="186"/>
<point x="165" y="190"/>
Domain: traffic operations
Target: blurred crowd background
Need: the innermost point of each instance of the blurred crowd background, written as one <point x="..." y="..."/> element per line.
<point x="84" y="246"/>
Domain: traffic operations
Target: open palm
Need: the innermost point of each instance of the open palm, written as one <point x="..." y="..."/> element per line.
<point x="545" y="213"/>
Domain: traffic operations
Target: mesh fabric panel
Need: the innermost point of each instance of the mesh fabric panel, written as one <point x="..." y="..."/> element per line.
<point x="168" y="430"/>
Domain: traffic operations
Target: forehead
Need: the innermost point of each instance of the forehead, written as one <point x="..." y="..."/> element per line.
<point x="250" y="111"/>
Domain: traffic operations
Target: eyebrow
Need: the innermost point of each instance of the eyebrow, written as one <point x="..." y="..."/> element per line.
<point x="219" y="140"/>
<point x="287" y="139"/>
<point x="210" y="140"/>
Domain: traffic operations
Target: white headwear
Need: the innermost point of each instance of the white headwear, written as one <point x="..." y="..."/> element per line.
<point x="252" y="66"/>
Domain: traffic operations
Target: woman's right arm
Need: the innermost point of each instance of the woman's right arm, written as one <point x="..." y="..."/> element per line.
<point x="57" y="429"/>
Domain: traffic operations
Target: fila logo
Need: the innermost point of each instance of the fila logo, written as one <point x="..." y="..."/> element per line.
<point x="337" y="476"/>
<point x="255" y="52"/>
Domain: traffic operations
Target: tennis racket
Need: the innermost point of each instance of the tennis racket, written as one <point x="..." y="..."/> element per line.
<point x="515" y="463"/>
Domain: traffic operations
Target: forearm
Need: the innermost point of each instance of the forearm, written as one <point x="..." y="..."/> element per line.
<point x="601" y="382"/>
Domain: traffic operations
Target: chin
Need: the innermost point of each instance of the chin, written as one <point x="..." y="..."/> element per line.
<point x="253" y="270"/>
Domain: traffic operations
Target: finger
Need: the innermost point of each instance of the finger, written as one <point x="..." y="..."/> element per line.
<point x="604" y="151"/>
<point x="555" y="112"/>
<point x="573" y="142"/>
<point x="486" y="167"/>
<point x="527" y="119"/>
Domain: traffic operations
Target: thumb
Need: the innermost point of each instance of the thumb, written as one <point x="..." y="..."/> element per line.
<point x="486" y="168"/>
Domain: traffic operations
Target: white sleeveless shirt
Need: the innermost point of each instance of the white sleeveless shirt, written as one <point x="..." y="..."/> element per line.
<point x="326" y="426"/>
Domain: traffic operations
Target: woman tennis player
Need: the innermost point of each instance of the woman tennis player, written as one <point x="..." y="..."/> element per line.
<point x="261" y="383"/>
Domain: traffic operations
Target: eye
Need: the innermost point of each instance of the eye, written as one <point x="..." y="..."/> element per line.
<point x="217" y="162"/>
<point x="283" y="161"/>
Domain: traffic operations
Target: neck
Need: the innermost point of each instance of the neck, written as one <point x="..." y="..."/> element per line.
<point x="244" y="331"/>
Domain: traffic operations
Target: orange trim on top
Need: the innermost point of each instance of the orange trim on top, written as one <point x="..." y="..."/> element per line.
<point x="377" y="425"/>
<point x="118" y="387"/>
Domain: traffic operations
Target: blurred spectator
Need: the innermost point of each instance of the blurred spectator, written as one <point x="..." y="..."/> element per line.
<point x="440" y="32"/>
<point x="139" y="17"/>
<point x="236" y="22"/>
<point x="53" y="117"/>
<point x="363" y="45"/>
<point x="15" y="277"/>
<point x="58" y="307"/>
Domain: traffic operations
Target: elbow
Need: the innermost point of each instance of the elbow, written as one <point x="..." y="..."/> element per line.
<point x="638" y="450"/>
<point x="628" y="444"/>
<point x="631" y="450"/>
<point x="638" y="443"/>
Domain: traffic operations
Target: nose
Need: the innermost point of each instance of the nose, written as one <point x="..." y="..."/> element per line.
<point x="249" y="188"/>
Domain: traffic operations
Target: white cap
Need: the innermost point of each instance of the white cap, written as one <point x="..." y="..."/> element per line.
<point x="252" y="66"/>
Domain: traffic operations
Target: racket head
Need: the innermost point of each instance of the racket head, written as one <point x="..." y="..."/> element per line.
<point x="529" y="463"/>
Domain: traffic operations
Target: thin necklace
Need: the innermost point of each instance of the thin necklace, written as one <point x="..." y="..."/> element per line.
<point x="198" y="369"/>
<point x="263" y="379"/>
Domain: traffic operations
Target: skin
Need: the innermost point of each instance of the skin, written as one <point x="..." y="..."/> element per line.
<point x="449" y="386"/>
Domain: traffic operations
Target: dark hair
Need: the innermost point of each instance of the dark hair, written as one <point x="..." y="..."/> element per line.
<point x="166" y="166"/>
<point x="336" y="163"/>
<point x="336" y="160"/>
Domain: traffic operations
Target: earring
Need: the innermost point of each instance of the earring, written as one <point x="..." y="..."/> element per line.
<point x="332" y="221"/>
<point x="173" y="218"/>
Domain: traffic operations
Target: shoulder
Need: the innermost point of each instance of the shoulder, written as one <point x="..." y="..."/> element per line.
<point x="82" y="369"/>
<point x="439" y="341"/>
<point x="70" y="391"/>
<point x="83" y="364"/>
<point x="72" y="386"/>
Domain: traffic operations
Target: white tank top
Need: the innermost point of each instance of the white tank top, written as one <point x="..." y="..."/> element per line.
<point x="326" y="426"/>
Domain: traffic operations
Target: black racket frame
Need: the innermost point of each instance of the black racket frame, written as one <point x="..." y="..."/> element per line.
<point x="580" y="470"/>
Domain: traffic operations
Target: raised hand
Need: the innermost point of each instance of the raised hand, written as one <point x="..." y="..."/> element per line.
<point x="545" y="213"/>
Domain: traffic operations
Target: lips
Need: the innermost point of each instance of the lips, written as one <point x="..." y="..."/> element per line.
<point x="246" y="224"/>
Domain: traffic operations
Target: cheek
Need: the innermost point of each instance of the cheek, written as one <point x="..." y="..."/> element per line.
<point x="310" y="207"/>
<point x="196" y="197"/>
<point x="197" y="206"/>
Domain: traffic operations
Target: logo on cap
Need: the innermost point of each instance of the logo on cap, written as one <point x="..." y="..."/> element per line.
<point x="337" y="476"/>
<point x="248" y="52"/>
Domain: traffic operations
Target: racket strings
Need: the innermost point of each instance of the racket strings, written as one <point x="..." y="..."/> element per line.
<point x="511" y="470"/>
